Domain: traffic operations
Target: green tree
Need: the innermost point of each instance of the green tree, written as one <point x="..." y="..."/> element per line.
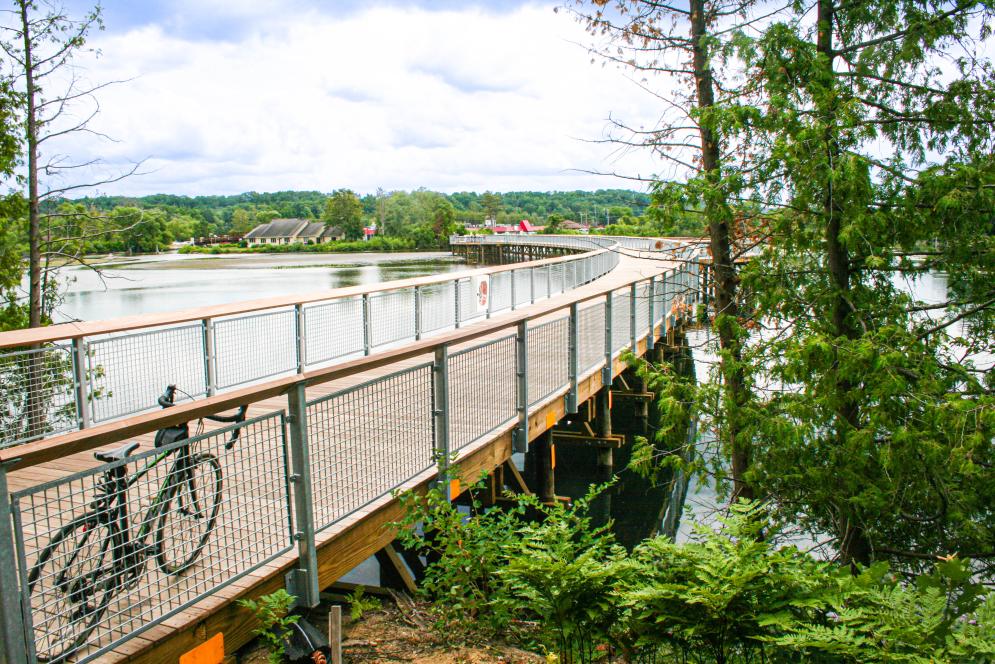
<point x="491" y="203"/>
<point x="690" y="46"/>
<point x="143" y="231"/>
<point x="242" y="221"/>
<point x="344" y="211"/>
<point x="40" y="43"/>
<point x="880" y="435"/>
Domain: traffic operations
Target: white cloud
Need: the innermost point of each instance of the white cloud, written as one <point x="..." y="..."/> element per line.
<point x="398" y="97"/>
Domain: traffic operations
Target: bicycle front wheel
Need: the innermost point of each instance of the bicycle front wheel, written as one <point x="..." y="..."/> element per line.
<point x="70" y="586"/>
<point x="188" y="514"/>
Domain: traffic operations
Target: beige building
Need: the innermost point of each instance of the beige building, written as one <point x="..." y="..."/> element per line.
<point x="288" y="231"/>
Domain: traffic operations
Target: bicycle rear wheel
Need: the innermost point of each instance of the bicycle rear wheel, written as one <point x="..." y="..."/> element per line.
<point x="70" y="586"/>
<point x="188" y="514"/>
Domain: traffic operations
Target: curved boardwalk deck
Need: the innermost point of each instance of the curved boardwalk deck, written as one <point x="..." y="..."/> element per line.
<point x="363" y="444"/>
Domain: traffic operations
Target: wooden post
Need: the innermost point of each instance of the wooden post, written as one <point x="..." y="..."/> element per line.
<point x="545" y="468"/>
<point x="335" y="633"/>
<point x="606" y="459"/>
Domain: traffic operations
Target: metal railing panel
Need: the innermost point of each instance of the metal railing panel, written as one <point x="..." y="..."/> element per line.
<point x="438" y="307"/>
<point x="523" y="287"/>
<point x="659" y="304"/>
<point x="642" y="309"/>
<point x="333" y="330"/>
<point x="250" y="348"/>
<point x="557" y="278"/>
<point x="88" y="587"/>
<point x="126" y="373"/>
<point x="481" y="390"/>
<point x="591" y="333"/>
<point x="541" y="282"/>
<point x="620" y="319"/>
<point x="37" y="393"/>
<point x="367" y="440"/>
<point x="392" y="317"/>
<point x="500" y="291"/>
<point x="548" y="360"/>
<point x="469" y="309"/>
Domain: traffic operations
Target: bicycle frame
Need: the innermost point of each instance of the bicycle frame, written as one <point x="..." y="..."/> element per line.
<point x="130" y="551"/>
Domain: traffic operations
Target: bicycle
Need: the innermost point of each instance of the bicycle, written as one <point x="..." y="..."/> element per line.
<point x="94" y="557"/>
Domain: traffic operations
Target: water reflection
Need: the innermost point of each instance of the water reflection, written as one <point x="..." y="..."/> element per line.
<point x="171" y="281"/>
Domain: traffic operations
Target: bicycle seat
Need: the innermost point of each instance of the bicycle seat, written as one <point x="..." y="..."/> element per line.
<point x="122" y="452"/>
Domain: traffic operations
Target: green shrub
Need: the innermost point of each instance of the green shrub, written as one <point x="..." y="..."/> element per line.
<point x="272" y="612"/>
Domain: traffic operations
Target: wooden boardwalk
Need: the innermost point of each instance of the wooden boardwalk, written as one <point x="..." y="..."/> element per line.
<point x="363" y="445"/>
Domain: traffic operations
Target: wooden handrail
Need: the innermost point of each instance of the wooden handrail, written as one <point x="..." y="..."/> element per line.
<point x="63" y="331"/>
<point x="41" y="451"/>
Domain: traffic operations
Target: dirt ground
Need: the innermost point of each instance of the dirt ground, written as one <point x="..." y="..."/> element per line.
<point x="400" y="632"/>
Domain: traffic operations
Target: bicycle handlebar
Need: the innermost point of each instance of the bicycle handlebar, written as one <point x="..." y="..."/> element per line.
<point x="166" y="400"/>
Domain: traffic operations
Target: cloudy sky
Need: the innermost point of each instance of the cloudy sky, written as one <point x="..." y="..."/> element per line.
<point x="224" y="97"/>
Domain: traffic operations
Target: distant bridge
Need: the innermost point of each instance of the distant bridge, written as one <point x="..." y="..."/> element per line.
<point x="353" y="394"/>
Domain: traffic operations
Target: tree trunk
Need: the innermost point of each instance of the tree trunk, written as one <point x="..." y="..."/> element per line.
<point x="719" y="217"/>
<point x="854" y="545"/>
<point x="34" y="227"/>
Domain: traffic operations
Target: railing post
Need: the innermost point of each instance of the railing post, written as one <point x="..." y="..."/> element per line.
<point x="532" y="285"/>
<point x="490" y="295"/>
<point x="513" y="297"/>
<point x="456" y="303"/>
<point x="210" y="382"/>
<point x="606" y="372"/>
<point x="651" y="336"/>
<point x="520" y="439"/>
<point x="573" y="350"/>
<point x="549" y="281"/>
<point x="303" y="580"/>
<point x="301" y="342"/>
<point x="633" y="307"/>
<point x="366" y="324"/>
<point x="14" y="647"/>
<point x="440" y="413"/>
<point x="79" y="382"/>
<point x="418" y="313"/>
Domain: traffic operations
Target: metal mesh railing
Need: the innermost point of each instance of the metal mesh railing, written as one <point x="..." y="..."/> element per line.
<point x="501" y="291"/>
<point x="126" y="373"/>
<point x="621" y="332"/>
<point x="478" y="406"/>
<point x="110" y="551"/>
<point x="469" y="308"/>
<point x="367" y="440"/>
<point x="541" y="282"/>
<point x="591" y="337"/>
<point x="523" y="287"/>
<point x="122" y="373"/>
<point x="548" y="359"/>
<point x="333" y="330"/>
<point x="642" y="309"/>
<point x="388" y="324"/>
<point x="250" y="348"/>
<point x="37" y="393"/>
<point x="438" y="307"/>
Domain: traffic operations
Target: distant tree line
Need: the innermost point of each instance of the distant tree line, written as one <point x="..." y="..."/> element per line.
<point x="424" y="219"/>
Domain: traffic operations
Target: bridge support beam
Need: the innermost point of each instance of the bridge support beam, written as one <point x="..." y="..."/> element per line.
<point x="545" y="456"/>
<point x="394" y="573"/>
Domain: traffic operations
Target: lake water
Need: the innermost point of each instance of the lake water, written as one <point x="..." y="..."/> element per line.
<point x="127" y="286"/>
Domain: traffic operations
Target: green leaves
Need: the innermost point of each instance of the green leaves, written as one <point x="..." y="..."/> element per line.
<point x="272" y="612"/>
